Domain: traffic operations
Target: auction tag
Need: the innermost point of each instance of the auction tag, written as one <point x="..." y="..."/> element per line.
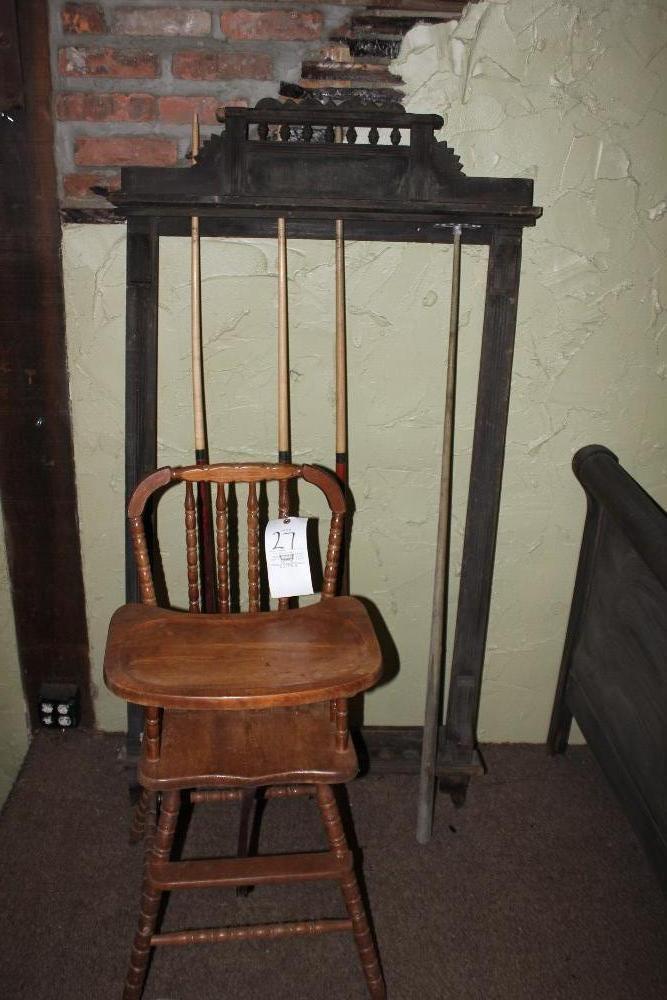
<point x="287" y="559"/>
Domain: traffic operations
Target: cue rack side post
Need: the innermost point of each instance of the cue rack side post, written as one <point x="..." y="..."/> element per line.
<point x="458" y="756"/>
<point x="409" y="189"/>
<point x="140" y="400"/>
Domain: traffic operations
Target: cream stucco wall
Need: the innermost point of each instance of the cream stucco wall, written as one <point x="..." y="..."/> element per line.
<point x="570" y="94"/>
<point x="13" y="721"/>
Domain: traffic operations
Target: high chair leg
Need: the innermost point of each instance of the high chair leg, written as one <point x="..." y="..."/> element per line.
<point x="150" y="896"/>
<point x="243" y="846"/>
<point x="139" y="818"/>
<point x="350" y="888"/>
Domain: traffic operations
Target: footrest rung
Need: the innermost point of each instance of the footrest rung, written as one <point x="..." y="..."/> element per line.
<point x="271" y="931"/>
<point x="266" y="870"/>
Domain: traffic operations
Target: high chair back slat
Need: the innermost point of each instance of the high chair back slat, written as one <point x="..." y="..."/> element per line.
<point x="222" y="548"/>
<point x="283" y="511"/>
<point x="191" y="548"/>
<point x="253" y="548"/>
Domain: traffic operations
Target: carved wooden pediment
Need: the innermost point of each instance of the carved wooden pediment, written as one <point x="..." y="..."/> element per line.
<point x="325" y="160"/>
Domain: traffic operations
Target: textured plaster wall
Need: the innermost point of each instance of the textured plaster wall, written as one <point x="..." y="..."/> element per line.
<point x="573" y="95"/>
<point x="569" y="94"/>
<point x="13" y="722"/>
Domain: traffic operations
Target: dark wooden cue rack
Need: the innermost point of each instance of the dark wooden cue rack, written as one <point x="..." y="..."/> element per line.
<point x="282" y="160"/>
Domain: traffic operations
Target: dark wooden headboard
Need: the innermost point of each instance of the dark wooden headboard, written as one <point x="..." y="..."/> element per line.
<point x="613" y="677"/>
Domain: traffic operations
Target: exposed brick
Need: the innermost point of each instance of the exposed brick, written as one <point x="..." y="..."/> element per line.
<point x="123" y="151"/>
<point x="206" y="64"/>
<point x="83" y="19"/>
<point x="161" y="21"/>
<point x="79" y="185"/>
<point x="106" y="107"/>
<point x="271" y="25"/>
<point x="126" y="63"/>
<point x="178" y="109"/>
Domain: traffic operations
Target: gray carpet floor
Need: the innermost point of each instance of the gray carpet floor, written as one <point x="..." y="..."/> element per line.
<point x="535" y="890"/>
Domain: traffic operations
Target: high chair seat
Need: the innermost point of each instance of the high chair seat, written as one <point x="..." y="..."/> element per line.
<point x="237" y="749"/>
<point x="172" y="659"/>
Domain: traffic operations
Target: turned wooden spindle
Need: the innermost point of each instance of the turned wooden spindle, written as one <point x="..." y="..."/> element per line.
<point x="283" y="511"/>
<point x="283" y="498"/>
<point x="236" y="794"/>
<point x="139" y="818"/>
<point x="333" y="555"/>
<point x="191" y="548"/>
<point x="288" y="791"/>
<point x="152" y="733"/>
<point x="271" y="932"/>
<point x="350" y="890"/>
<point x="222" y="545"/>
<point x="340" y="715"/>
<point x="216" y="795"/>
<point x="150" y="897"/>
<point x="142" y="561"/>
<point x="150" y="825"/>
<point x="253" y="548"/>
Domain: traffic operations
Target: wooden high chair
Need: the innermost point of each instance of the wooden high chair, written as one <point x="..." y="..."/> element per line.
<point x="240" y="702"/>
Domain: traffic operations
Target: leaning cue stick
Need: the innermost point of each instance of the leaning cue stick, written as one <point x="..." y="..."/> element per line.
<point x="436" y="660"/>
<point x="204" y="511"/>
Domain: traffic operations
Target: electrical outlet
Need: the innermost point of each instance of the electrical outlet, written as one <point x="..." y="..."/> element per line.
<point x="59" y="706"/>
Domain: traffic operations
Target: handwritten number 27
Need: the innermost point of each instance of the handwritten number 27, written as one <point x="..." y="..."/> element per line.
<point x="278" y="542"/>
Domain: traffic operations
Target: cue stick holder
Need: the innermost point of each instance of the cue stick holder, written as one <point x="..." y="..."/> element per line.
<point x="397" y="184"/>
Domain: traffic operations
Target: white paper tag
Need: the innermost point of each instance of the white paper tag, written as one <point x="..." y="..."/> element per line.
<point x="287" y="559"/>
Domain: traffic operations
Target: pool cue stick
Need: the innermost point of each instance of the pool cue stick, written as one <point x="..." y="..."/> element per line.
<point x="284" y="445"/>
<point x="436" y="661"/>
<point x="341" y="390"/>
<point x="204" y="510"/>
<point x="341" y="382"/>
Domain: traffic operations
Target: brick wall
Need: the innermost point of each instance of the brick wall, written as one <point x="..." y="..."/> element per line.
<point x="128" y="76"/>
